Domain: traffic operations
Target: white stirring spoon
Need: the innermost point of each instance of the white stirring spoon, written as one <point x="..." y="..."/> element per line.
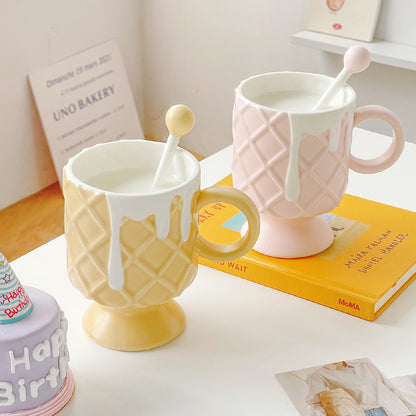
<point x="356" y="59"/>
<point x="179" y="120"/>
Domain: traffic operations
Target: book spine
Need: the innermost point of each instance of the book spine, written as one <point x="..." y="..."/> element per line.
<point x="335" y="298"/>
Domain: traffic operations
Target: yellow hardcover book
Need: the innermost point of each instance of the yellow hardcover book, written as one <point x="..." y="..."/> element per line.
<point x="372" y="259"/>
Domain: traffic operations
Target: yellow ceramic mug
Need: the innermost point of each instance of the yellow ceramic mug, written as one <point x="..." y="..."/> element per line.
<point x="131" y="247"/>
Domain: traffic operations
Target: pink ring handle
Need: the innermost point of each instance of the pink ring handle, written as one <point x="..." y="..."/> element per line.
<point x="385" y="160"/>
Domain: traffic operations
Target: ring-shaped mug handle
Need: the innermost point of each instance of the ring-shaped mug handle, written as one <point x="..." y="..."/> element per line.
<point x="224" y="252"/>
<point x="385" y="160"/>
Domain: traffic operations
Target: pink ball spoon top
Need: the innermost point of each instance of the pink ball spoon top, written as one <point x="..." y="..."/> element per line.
<point x="357" y="59"/>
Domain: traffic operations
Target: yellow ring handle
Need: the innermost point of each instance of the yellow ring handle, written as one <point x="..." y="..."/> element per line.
<point x="224" y="252"/>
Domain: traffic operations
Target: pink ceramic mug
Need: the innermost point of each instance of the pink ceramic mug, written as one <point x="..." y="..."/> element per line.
<point x="294" y="162"/>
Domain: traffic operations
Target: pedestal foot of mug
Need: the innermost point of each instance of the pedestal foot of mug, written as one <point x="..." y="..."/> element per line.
<point x="134" y="328"/>
<point x="293" y="237"/>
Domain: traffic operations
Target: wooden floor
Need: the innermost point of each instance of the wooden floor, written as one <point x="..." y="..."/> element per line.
<point x="33" y="221"/>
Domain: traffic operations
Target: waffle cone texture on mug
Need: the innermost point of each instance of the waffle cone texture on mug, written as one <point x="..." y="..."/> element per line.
<point x="261" y="157"/>
<point x="155" y="270"/>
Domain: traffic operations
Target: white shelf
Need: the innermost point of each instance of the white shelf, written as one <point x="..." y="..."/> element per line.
<point x="383" y="52"/>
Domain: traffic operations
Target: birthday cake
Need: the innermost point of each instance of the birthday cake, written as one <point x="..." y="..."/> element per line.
<point x="34" y="376"/>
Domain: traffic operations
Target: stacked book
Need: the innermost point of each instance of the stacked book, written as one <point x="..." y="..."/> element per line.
<point x="372" y="259"/>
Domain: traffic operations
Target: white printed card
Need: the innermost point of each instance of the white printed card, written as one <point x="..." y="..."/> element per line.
<point x="354" y="19"/>
<point x="84" y="100"/>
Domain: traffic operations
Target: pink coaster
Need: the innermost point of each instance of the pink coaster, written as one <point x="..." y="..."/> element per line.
<point x="53" y="406"/>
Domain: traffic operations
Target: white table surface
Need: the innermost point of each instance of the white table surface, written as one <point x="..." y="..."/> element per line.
<point x="238" y="333"/>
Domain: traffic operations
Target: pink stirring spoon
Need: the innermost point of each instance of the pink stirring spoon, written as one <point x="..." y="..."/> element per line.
<point x="356" y="59"/>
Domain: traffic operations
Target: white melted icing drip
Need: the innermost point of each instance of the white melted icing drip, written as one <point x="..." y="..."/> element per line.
<point x="311" y="123"/>
<point x="139" y="208"/>
<point x="129" y="193"/>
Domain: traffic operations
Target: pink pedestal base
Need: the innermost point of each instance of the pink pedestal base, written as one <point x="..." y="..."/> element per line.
<point x="293" y="237"/>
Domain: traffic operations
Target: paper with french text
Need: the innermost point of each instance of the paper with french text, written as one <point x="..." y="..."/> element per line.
<point x="84" y="100"/>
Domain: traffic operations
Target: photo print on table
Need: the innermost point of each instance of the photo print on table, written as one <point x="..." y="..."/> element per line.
<point x="349" y="388"/>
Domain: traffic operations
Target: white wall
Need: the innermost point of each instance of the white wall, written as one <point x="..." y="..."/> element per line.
<point x="34" y="34"/>
<point x="196" y="53"/>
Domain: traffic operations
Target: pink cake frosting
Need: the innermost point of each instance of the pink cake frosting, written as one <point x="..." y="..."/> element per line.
<point x="34" y="374"/>
<point x="53" y="406"/>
